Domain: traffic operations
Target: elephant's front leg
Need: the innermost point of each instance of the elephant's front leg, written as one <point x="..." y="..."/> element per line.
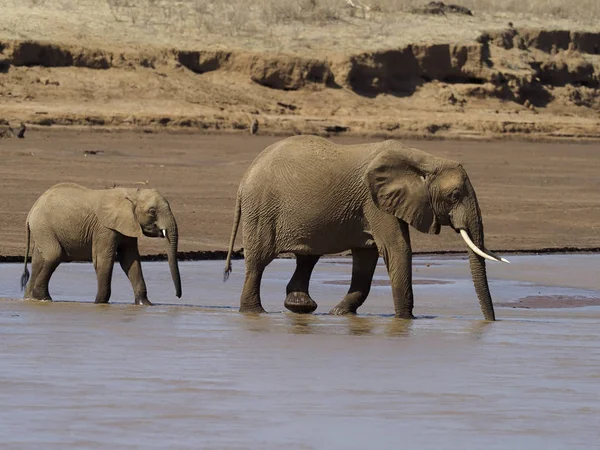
<point x="364" y="261"/>
<point x="397" y="255"/>
<point x="400" y="270"/>
<point x="393" y="240"/>
<point x="129" y="258"/>
<point x="298" y="300"/>
<point x="103" y="257"/>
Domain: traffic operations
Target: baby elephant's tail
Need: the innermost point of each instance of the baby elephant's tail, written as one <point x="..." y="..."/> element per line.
<point x="25" y="276"/>
<point x="236" y="224"/>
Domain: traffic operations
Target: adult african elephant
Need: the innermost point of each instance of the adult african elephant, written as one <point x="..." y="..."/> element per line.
<point x="309" y="196"/>
<point x="72" y="223"/>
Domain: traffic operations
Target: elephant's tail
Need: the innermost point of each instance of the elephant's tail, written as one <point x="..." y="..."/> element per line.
<point x="236" y="224"/>
<point x="25" y="276"/>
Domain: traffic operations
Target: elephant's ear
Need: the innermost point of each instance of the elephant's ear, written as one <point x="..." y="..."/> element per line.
<point x="398" y="186"/>
<point x="115" y="210"/>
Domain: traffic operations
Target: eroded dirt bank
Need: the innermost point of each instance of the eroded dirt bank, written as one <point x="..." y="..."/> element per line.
<point x="528" y="83"/>
<point x="532" y="195"/>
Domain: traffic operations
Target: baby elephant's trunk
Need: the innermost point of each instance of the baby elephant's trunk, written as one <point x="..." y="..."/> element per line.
<point x="173" y="238"/>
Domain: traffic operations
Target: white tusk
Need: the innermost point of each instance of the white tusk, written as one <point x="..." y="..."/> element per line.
<point x="473" y="247"/>
<point x="497" y="257"/>
<point x="164" y="233"/>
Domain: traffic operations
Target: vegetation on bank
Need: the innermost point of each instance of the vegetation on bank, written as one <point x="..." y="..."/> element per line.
<point x="296" y="26"/>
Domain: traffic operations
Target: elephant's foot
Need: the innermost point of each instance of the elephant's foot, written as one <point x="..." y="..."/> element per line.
<point x="143" y="301"/>
<point x="404" y="315"/>
<point x="38" y="296"/>
<point x="341" y="310"/>
<point x="43" y="299"/>
<point x="300" y="303"/>
<point x="348" y="305"/>
<point x="252" y="309"/>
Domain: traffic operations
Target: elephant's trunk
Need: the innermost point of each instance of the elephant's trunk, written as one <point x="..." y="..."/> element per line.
<point x="173" y="237"/>
<point x="477" y="262"/>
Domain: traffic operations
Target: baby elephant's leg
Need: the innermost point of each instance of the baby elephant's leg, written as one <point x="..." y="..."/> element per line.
<point x="129" y="258"/>
<point x="43" y="266"/>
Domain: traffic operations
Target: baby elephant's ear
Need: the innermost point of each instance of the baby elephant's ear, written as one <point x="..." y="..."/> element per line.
<point x="398" y="186"/>
<point x="115" y="210"/>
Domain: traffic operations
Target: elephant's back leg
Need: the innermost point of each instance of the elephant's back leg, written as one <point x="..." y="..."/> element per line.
<point x="46" y="257"/>
<point x="250" y="301"/>
<point x="36" y="264"/>
<point x="259" y="250"/>
<point x="298" y="299"/>
<point x="364" y="262"/>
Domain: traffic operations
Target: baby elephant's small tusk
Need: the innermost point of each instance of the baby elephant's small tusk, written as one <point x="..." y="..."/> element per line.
<point x="164" y="233"/>
<point x="476" y="249"/>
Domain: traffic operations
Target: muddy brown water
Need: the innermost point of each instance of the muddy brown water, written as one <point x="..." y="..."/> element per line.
<point x="194" y="373"/>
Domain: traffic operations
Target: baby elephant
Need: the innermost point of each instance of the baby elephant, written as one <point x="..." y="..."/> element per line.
<point x="72" y="223"/>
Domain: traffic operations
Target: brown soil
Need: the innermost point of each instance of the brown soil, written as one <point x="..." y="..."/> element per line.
<point x="532" y="195"/>
<point x="551" y="301"/>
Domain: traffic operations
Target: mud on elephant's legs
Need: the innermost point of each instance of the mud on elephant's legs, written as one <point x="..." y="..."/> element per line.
<point x="364" y="261"/>
<point x="298" y="300"/>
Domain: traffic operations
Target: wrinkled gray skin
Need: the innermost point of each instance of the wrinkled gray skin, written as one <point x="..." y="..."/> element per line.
<point x="308" y="196"/>
<point x="72" y="223"/>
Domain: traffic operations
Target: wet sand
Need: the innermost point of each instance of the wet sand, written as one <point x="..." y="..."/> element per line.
<point x="553" y="301"/>
<point x="532" y="195"/>
<point x="194" y="373"/>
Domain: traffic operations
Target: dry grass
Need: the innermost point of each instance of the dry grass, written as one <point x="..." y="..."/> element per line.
<point x="576" y="9"/>
<point x="297" y="26"/>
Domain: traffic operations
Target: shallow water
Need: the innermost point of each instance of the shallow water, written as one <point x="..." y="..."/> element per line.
<point x="194" y="373"/>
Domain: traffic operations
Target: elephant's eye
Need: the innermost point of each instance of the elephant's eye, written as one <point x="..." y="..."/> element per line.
<point x="152" y="212"/>
<point x="455" y="196"/>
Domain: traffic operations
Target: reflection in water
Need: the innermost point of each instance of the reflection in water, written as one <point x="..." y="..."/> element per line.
<point x="353" y="325"/>
<point x="398" y="327"/>
<point x="360" y="326"/>
<point x="301" y="323"/>
<point x="479" y="328"/>
<point x="256" y="323"/>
